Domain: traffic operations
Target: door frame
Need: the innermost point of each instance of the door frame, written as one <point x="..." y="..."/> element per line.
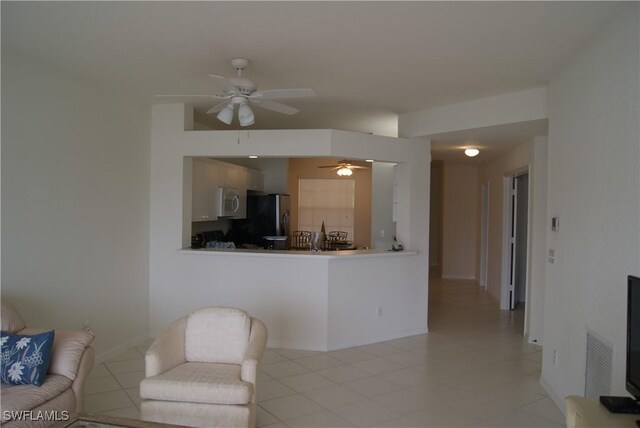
<point x="507" y="223"/>
<point x="484" y="233"/>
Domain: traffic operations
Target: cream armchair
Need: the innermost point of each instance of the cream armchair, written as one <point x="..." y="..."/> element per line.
<point x="202" y="370"/>
<point x="63" y="388"/>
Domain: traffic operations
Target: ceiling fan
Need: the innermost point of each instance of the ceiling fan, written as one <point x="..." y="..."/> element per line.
<point x="240" y="91"/>
<point x="344" y="167"/>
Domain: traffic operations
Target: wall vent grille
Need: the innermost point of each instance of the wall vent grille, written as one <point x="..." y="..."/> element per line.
<point x="597" y="377"/>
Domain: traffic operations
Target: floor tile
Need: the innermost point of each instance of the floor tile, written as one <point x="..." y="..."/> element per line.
<point x="372" y="386"/>
<point x="291" y="407"/>
<point x="294" y="354"/>
<point x="134" y="394"/>
<point x="99" y="370"/>
<point x="333" y="396"/>
<point x="380" y="349"/>
<point x="406" y="359"/>
<point x="96" y="403"/>
<point x="319" y="362"/>
<point x="365" y="413"/>
<point x="272" y="357"/>
<point x="96" y="385"/>
<point x="546" y="409"/>
<point x="521" y="419"/>
<point x="306" y="382"/>
<point x="129" y="354"/>
<point x="264" y="418"/>
<point x="343" y="373"/>
<point x="406" y="401"/>
<point x="377" y="366"/>
<point x="284" y="369"/>
<point x="444" y="418"/>
<point x="271" y="389"/>
<point x="127" y="412"/>
<point x="323" y="419"/>
<point x="402" y="422"/>
<point x="351" y="355"/>
<point x="130" y="366"/>
<point x="130" y="380"/>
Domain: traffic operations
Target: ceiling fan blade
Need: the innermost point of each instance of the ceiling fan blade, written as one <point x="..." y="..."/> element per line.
<point x="330" y="166"/>
<point x="216" y="108"/>
<point x="274" y="106"/>
<point x="184" y="96"/>
<point x="275" y="94"/>
<point x="357" y="167"/>
<point x="229" y="88"/>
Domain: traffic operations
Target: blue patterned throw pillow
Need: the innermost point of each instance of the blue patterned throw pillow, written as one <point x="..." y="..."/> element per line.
<point x="25" y="359"/>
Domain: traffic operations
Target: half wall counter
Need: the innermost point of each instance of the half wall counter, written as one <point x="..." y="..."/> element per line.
<point x="309" y="300"/>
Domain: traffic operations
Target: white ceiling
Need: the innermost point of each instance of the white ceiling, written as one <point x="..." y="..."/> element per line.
<point x="367" y="61"/>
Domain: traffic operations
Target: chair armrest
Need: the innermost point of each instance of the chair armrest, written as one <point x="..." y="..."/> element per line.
<point x="68" y="348"/>
<point x="255" y="350"/>
<point x="84" y="368"/>
<point x="167" y="351"/>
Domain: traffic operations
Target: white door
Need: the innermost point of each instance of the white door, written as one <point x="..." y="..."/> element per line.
<point x="484" y="235"/>
<point x="513" y="202"/>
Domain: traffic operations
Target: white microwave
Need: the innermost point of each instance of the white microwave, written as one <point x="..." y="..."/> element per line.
<point x="228" y="202"/>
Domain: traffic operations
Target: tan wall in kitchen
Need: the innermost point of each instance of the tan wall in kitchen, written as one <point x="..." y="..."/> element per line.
<point x="308" y="168"/>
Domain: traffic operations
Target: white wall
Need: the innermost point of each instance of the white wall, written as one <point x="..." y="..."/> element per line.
<point x="538" y="223"/>
<point x="288" y="294"/>
<point x="459" y="220"/>
<point x="514" y="107"/>
<point x="382" y="205"/>
<point x="593" y="186"/>
<point x="75" y="177"/>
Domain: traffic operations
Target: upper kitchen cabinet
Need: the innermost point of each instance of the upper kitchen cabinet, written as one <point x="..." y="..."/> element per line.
<point x="255" y="180"/>
<point x="205" y="186"/>
<point x="230" y="175"/>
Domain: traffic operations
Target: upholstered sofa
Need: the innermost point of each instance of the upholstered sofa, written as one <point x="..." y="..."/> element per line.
<point x="71" y="362"/>
<point x="202" y="370"/>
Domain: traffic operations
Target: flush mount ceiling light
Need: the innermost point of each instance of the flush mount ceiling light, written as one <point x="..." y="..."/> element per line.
<point x="344" y="172"/>
<point x="253" y="157"/>
<point x="471" y="152"/>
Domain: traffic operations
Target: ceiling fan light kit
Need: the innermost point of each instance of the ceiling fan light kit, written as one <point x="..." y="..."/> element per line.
<point x="344" y="172"/>
<point x="344" y="168"/>
<point x="242" y="91"/>
<point x="226" y="114"/>
<point x="471" y="152"/>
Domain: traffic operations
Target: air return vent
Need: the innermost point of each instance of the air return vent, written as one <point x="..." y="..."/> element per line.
<point x="597" y="377"/>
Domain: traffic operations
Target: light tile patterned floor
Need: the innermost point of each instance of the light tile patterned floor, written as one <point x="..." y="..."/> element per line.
<point x="472" y="370"/>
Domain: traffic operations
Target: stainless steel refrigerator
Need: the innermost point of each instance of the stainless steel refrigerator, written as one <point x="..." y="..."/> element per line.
<point x="267" y="216"/>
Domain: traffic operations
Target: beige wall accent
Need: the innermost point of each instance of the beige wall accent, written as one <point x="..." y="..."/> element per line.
<point x="308" y="168"/>
<point x="459" y="220"/>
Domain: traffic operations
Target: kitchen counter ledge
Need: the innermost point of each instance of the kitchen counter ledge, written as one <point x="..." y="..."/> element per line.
<point x="341" y="254"/>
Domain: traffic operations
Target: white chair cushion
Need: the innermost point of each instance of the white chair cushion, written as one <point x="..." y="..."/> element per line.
<point x="217" y="335"/>
<point x="27" y="397"/>
<point x="209" y="383"/>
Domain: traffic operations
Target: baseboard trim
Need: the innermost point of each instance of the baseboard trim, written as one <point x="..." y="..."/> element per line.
<point x="104" y="356"/>
<point x="552" y="394"/>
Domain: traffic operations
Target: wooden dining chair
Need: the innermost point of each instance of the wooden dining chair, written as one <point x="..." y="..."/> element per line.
<point x="300" y="240"/>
